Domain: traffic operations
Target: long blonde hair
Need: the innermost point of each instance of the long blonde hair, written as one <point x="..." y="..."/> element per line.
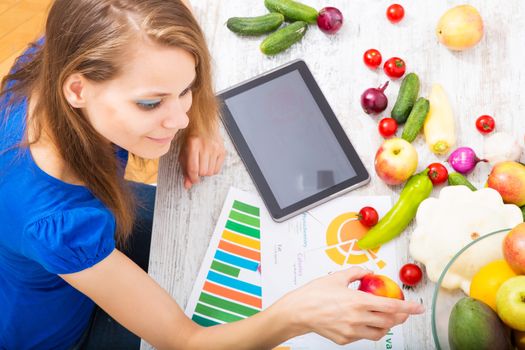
<point x="91" y="37"/>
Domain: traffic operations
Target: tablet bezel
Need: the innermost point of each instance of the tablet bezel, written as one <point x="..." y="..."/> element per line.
<point x="280" y="214"/>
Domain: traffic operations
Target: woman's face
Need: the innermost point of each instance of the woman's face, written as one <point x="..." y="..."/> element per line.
<point x="144" y="107"/>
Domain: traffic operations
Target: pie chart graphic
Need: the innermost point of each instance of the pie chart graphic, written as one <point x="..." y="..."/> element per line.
<point x="342" y="235"/>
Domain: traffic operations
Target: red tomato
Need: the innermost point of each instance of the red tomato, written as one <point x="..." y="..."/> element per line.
<point x="410" y="274"/>
<point x="368" y="216"/>
<point x="387" y="127"/>
<point x="372" y="58"/>
<point x="485" y="124"/>
<point x="395" y="13"/>
<point x="437" y="173"/>
<point x="394" y="67"/>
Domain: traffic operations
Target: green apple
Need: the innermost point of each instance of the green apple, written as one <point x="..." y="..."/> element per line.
<point x="510" y="302"/>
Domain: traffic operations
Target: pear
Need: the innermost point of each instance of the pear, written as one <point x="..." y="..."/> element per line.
<point x="508" y="178"/>
<point x="460" y="28"/>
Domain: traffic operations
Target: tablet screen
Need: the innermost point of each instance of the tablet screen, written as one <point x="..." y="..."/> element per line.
<point x="289" y="138"/>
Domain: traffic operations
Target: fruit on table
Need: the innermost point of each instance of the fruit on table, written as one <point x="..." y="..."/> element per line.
<point x="410" y="274"/>
<point x="485" y="124"/>
<point x="381" y="285"/>
<point x="395" y="161"/>
<point x="510" y="303"/>
<point x="456" y="179"/>
<point x="508" y="178"/>
<point x="415" y="120"/>
<point x="474" y="325"/>
<point x="387" y="127"/>
<point x="330" y="20"/>
<point x="417" y="189"/>
<point x="372" y="58"/>
<point x="282" y="39"/>
<point x="293" y="10"/>
<point x="488" y="279"/>
<point x="255" y="25"/>
<point x="394" y="67"/>
<point x="374" y="100"/>
<point x="460" y="28"/>
<point x="514" y="248"/>
<point x="395" y="13"/>
<point x="453" y="219"/>
<point x="437" y="173"/>
<point x="439" y="127"/>
<point x="368" y="216"/>
<point x="406" y="98"/>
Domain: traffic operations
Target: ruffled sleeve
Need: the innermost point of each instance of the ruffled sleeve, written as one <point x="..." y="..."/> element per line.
<point x="70" y="241"/>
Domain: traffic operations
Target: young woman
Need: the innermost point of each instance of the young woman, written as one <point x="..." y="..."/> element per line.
<point x="111" y="77"/>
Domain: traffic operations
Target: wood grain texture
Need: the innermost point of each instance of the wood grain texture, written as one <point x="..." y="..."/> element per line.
<point x="485" y="80"/>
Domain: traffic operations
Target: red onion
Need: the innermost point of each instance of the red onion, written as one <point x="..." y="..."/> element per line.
<point x="464" y="160"/>
<point x="374" y="100"/>
<point x="329" y="20"/>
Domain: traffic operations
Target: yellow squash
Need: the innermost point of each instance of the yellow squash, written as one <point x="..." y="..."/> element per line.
<point x="439" y="128"/>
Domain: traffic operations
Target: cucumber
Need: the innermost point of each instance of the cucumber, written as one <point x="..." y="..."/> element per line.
<point x="255" y="25"/>
<point x="283" y="38"/>
<point x="406" y="98"/>
<point x="416" y="119"/>
<point x="293" y="10"/>
<point x="456" y="179"/>
<point x="523" y="212"/>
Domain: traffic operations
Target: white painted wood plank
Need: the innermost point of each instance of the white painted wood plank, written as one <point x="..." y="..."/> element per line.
<point x="485" y="80"/>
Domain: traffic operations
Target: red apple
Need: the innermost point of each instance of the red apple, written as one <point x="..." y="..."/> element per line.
<point x="514" y="248"/>
<point x="396" y="161"/>
<point x="381" y="285"/>
<point x="508" y="178"/>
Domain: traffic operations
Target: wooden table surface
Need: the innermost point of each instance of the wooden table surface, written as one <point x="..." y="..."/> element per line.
<point x="487" y="79"/>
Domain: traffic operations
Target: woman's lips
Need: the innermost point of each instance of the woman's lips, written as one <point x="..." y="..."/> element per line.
<point x="162" y="140"/>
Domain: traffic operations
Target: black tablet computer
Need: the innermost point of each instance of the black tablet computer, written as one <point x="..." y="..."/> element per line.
<point x="290" y="140"/>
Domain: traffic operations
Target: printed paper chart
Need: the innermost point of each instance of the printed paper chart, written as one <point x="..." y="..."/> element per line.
<point x="228" y="287"/>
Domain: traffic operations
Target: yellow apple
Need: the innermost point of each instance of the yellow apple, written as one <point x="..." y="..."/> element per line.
<point x="460" y="28"/>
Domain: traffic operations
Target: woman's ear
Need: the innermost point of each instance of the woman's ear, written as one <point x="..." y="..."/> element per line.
<point x="74" y="90"/>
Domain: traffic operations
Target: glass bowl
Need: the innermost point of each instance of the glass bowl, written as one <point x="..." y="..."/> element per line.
<point x="444" y="299"/>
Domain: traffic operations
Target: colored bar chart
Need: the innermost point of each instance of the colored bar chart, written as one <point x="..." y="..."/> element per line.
<point x="231" y="288"/>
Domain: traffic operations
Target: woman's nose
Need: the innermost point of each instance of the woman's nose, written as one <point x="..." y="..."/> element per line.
<point x="177" y="118"/>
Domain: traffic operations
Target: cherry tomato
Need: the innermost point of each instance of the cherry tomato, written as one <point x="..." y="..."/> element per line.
<point x="372" y="58"/>
<point x="485" y="124"/>
<point x="410" y="274"/>
<point x="368" y="216"/>
<point x="437" y="173"/>
<point x="394" y="67"/>
<point x="387" y="127"/>
<point x="395" y="13"/>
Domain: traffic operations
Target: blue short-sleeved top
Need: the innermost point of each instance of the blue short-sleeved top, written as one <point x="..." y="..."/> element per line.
<point x="47" y="227"/>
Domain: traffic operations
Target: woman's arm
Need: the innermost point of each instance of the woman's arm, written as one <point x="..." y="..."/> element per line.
<point x="325" y="306"/>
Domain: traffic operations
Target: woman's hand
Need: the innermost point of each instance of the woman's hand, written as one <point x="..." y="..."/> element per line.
<point x="329" y="308"/>
<point x="201" y="156"/>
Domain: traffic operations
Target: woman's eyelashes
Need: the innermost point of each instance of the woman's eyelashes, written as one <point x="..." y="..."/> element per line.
<point x="148" y="105"/>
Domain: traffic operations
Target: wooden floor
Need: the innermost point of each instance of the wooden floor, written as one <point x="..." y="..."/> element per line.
<point x="23" y="21"/>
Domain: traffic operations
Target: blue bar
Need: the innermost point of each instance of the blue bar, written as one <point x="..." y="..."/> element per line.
<point x="234" y="284"/>
<point x="236" y="260"/>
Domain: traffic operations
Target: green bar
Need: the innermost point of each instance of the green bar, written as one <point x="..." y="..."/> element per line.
<point x="245" y="219"/>
<point x="216" y="313"/>
<point x="248" y="231"/>
<point x="227" y="305"/>
<point x="204" y="321"/>
<point x="227" y="269"/>
<point x="246" y="208"/>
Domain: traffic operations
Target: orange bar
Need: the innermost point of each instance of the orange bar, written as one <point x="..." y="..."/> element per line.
<point x="232" y="294"/>
<point x="237" y="250"/>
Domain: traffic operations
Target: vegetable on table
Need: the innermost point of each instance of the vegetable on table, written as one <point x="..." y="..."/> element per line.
<point x="456" y="179"/>
<point x="485" y="124"/>
<point x="293" y="10"/>
<point x="437" y="173"/>
<point x="368" y="216"/>
<point x="330" y="20"/>
<point x="255" y="25"/>
<point x="464" y="160"/>
<point x="374" y="100"/>
<point x="439" y="127"/>
<point x="446" y="224"/>
<point x="410" y="275"/>
<point x="406" y="98"/>
<point x="387" y="127"/>
<point x="416" y="119"/>
<point x="282" y="39"/>
<point x="372" y="58"/>
<point x="417" y="189"/>
<point x="395" y="13"/>
<point x="501" y="147"/>
<point x="394" y="67"/>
